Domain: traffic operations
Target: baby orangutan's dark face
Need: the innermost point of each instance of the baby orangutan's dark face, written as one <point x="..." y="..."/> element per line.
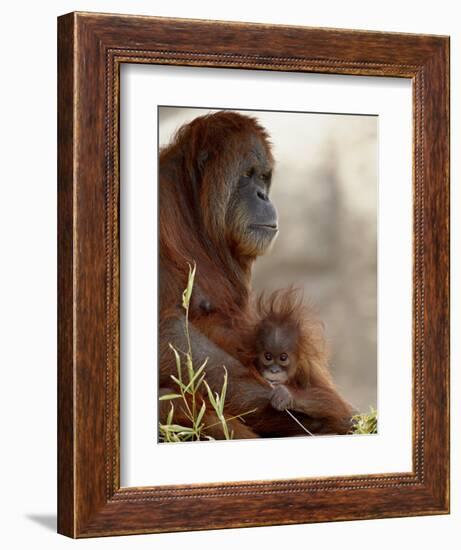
<point x="276" y="357"/>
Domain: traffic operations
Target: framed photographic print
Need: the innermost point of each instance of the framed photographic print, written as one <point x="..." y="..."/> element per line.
<point x="253" y="275"/>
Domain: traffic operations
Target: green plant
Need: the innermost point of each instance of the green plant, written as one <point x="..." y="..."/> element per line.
<point x="190" y="384"/>
<point x="365" y="423"/>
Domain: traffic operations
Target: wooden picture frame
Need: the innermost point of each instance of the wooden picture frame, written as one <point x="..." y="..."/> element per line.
<point x="91" y="48"/>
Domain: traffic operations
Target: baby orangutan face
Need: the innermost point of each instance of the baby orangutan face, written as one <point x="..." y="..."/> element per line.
<point x="276" y="357"/>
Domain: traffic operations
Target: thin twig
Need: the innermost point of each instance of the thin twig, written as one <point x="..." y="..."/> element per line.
<point x="298" y="422"/>
<point x="294" y="417"/>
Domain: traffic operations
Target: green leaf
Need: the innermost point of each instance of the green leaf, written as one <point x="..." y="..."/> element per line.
<point x="199" y="382"/>
<point x="188" y="291"/>
<point x="211" y="397"/>
<point x="200" y="414"/>
<point x="190" y="367"/>
<point x="177" y="359"/>
<point x="365" y="423"/>
<point x="168" y="396"/>
<point x="194" y="377"/>
<point x="204" y="363"/>
<point x="223" y="391"/>
<point x="180" y="384"/>
<point x="169" y="420"/>
<point x="177" y="428"/>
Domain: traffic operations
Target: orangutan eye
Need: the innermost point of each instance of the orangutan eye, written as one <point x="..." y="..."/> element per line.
<point x="248" y="173"/>
<point x="268" y="356"/>
<point x="283" y="357"/>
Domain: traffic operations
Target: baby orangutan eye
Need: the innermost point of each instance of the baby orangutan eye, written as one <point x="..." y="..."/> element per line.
<point x="283" y="357"/>
<point x="268" y="356"/>
<point x="265" y="177"/>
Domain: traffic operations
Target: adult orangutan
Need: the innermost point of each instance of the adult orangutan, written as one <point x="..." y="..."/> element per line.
<point x="215" y="210"/>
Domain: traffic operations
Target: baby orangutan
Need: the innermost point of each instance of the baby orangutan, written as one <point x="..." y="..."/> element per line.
<point x="289" y="352"/>
<point x="284" y="345"/>
<point x="276" y="360"/>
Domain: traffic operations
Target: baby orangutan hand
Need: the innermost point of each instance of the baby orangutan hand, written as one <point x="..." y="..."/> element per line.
<point x="282" y="398"/>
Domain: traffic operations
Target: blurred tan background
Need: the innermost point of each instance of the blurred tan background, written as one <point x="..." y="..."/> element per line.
<point x="325" y="190"/>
